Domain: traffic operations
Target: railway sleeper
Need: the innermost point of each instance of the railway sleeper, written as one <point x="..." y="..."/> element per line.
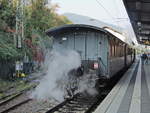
<point x="81" y="103"/>
<point x="73" y="109"/>
<point x="77" y="105"/>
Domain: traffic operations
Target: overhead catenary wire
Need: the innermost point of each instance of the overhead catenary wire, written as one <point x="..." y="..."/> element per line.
<point x="118" y="20"/>
<point x="110" y="15"/>
<point x="105" y="9"/>
<point x="118" y="13"/>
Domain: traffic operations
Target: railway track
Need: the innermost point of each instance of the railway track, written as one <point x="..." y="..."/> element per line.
<point x="80" y="103"/>
<point x="14" y="95"/>
<point x="14" y="101"/>
<point x="7" y="95"/>
<point x="15" y="106"/>
<point x="11" y="98"/>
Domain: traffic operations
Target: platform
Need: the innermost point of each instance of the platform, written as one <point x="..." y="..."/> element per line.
<point x="131" y="94"/>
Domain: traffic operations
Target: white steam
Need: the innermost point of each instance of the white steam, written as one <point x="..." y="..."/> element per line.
<point x="58" y="81"/>
<point x="87" y="84"/>
<point x="53" y="84"/>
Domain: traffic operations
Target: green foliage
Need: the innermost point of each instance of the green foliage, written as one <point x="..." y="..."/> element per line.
<point x="42" y="40"/>
<point x="40" y="18"/>
<point x="37" y="19"/>
<point x="7" y="12"/>
<point x="7" y="48"/>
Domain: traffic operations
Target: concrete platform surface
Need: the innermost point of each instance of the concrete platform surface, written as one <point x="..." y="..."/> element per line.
<point x="131" y="94"/>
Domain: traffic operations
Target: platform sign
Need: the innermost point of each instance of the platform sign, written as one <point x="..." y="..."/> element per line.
<point x="17" y="66"/>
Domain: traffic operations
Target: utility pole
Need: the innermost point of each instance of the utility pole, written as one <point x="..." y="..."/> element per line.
<point x="19" y="35"/>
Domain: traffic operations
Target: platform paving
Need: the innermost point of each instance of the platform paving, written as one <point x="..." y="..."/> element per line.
<point x="131" y="94"/>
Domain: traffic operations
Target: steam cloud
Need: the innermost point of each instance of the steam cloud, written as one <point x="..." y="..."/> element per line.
<point x="59" y="63"/>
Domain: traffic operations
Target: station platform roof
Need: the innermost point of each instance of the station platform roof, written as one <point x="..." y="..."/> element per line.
<point x="139" y="14"/>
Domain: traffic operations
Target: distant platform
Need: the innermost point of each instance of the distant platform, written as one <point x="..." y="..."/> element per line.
<point x="131" y="94"/>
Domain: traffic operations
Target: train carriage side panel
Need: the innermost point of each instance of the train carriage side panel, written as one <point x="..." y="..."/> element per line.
<point x="116" y="55"/>
<point x="129" y="56"/>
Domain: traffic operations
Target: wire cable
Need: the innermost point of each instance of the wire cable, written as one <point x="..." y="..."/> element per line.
<point x="105" y="9"/>
<point x="116" y="20"/>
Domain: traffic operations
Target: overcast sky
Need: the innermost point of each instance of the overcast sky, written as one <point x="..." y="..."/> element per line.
<point x="94" y="8"/>
<point x="110" y="11"/>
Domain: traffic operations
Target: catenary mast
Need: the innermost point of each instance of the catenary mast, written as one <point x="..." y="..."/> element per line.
<point x="19" y="35"/>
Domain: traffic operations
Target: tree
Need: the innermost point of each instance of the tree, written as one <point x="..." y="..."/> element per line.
<point x="37" y="18"/>
<point x="7" y="12"/>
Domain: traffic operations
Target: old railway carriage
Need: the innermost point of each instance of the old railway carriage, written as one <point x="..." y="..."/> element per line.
<point x="99" y="50"/>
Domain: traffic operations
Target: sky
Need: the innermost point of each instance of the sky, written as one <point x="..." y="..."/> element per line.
<point x="94" y="8"/>
<point x="110" y="11"/>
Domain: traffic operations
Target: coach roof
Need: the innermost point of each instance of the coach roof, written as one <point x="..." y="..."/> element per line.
<point x="72" y="28"/>
<point x="78" y="27"/>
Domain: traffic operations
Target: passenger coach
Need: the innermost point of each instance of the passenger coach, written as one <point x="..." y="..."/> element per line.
<point x="100" y="51"/>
